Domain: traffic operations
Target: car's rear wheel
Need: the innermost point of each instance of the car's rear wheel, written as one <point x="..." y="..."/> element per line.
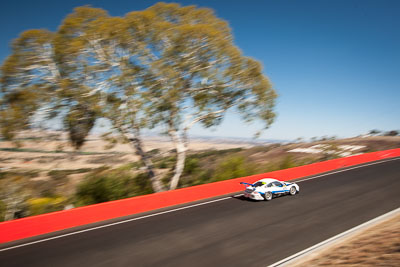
<point x="268" y="196"/>
<point x="293" y="190"/>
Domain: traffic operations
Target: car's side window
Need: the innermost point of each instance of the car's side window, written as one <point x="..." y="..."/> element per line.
<point x="278" y="184"/>
<point x="269" y="185"/>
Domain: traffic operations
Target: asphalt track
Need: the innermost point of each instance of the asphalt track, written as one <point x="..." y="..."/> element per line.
<point x="230" y="232"/>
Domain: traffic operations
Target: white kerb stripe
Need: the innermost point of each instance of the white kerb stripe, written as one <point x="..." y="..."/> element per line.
<point x="286" y="260"/>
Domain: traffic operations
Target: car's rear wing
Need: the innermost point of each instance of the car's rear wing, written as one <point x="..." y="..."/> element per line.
<point x="246" y="183"/>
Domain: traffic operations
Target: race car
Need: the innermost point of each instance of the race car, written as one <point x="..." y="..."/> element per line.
<point x="266" y="189"/>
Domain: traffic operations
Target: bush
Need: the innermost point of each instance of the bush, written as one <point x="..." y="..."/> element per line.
<point x="132" y="165"/>
<point x="111" y="185"/>
<point x="12" y="173"/>
<point x="62" y="174"/>
<point x="209" y="153"/>
<point x="287" y="163"/>
<point x="191" y="166"/>
<point x="201" y="177"/>
<point x="42" y="205"/>
<point x="232" y="167"/>
<point x="392" y="133"/>
<point x="2" y="210"/>
<point x="166" y="163"/>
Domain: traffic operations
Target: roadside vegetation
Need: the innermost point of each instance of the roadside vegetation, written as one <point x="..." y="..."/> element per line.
<point x="27" y="192"/>
<point x="167" y="67"/>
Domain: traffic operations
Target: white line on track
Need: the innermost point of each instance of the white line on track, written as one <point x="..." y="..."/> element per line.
<point x="348" y="169"/>
<point x="288" y="260"/>
<point x="176" y="209"/>
<point x="115" y="223"/>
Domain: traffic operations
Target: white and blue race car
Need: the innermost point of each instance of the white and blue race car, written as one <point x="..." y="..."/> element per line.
<point x="266" y="189"/>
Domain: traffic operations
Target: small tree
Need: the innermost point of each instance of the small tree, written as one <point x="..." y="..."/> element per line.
<point x="392" y="133"/>
<point x="374" y="132"/>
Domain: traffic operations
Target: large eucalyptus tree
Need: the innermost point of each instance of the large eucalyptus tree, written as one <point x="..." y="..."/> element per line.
<point x="195" y="73"/>
<point x="167" y="66"/>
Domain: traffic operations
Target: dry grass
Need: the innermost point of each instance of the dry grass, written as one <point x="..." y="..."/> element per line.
<point x="378" y="245"/>
<point x="39" y="152"/>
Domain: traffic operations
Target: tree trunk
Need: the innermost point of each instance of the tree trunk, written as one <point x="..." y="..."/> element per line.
<point x="180" y="159"/>
<point x="155" y="180"/>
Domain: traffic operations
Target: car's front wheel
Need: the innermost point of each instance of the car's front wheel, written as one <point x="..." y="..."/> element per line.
<point x="268" y="196"/>
<point x="293" y="190"/>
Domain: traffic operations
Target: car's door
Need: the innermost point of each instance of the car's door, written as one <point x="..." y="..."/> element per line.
<point x="271" y="187"/>
<point x="278" y="187"/>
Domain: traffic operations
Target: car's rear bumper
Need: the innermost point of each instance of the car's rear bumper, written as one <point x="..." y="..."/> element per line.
<point x="253" y="196"/>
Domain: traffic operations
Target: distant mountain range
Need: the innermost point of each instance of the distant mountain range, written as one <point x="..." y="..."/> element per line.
<point x="219" y="139"/>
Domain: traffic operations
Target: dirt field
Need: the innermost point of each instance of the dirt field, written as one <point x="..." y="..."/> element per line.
<point x="40" y="153"/>
<point x="51" y="151"/>
<point x="378" y="245"/>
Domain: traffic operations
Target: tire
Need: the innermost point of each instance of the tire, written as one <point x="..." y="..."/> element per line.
<point x="268" y="196"/>
<point x="293" y="191"/>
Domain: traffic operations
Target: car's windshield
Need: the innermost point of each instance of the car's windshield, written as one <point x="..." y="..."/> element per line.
<point x="258" y="184"/>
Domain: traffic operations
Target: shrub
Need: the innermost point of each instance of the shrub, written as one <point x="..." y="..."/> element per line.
<point x="392" y="133"/>
<point x="232" y="167"/>
<point x="2" y="210"/>
<point x="59" y="174"/>
<point x="132" y="165"/>
<point x="191" y="166"/>
<point x="111" y="185"/>
<point x="62" y="174"/>
<point x="287" y="163"/>
<point x="166" y="163"/>
<point x="209" y="153"/>
<point x="201" y="177"/>
<point x="42" y="205"/>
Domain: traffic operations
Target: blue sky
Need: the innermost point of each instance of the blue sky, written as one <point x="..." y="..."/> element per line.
<point x="335" y="64"/>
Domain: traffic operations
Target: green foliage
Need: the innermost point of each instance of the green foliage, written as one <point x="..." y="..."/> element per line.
<point x="232" y="167"/>
<point x="287" y="163"/>
<point x="166" y="163"/>
<point x="19" y="173"/>
<point x="14" y="149"/>
<point x="374" y="132"/>
<point x="392" y="133"/>
<point x="15" y="109"/>
<point x="163" y="63"/>
<point x="200" y="176"/>
<point x="59" y="174"/>
<point x="130" y="166"/>
<point x="79" y="121"/>
<point x="2" y="210"/>
<point x="111" y="185"/>
<point x="42" y="205"/>
<point x="218" y="153"/>
<point x="62" y="174"/>
<point x="330" y="151"/>
<point x="263" y="149"/>
<point x="191" y="166"/>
